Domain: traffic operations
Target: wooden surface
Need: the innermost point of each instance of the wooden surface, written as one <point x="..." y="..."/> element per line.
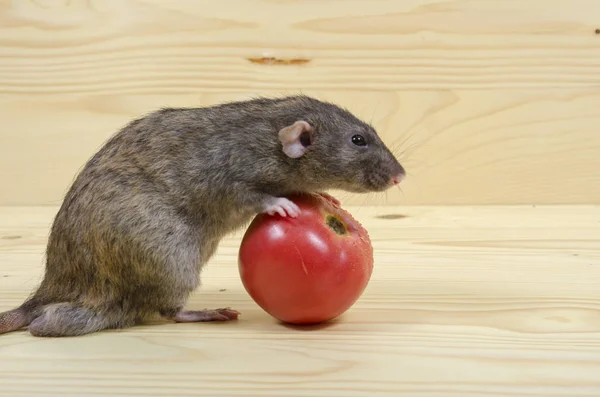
<point x="464" y="301"/>
<point x="487" y="101"/>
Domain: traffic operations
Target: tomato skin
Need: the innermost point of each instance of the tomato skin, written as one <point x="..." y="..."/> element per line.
<point x="299" y="270"/>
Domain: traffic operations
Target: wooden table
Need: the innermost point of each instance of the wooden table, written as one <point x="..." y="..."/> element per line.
<point x="464" y="301"/>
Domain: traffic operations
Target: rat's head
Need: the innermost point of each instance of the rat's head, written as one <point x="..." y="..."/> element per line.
<point x="331" y="144"/>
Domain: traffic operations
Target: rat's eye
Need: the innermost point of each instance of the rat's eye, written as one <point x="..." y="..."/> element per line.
<point x="359" y="140"/>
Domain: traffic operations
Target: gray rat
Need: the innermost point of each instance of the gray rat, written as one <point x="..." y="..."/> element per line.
<point x="148" y="210"/>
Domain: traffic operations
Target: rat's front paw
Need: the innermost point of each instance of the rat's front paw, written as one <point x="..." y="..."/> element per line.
<point x="281" y="206"/>
<point x="330" y="198"/>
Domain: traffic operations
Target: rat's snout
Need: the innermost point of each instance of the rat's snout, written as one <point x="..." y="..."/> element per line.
<point x="396" y="179"/>
<point x="398" y="175"/>
<point x="384" y="174"/>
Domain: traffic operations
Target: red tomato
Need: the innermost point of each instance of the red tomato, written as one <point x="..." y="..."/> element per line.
<point x="307" y="269"/>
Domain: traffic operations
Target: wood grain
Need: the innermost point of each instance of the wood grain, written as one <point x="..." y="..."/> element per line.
<point x="489" y="101"/>
<point x="152" y="46"/>
<point x="504" y="147"/>
<point x="464" y="301"/>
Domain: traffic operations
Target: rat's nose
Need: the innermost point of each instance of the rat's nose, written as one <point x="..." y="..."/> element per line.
<point x="396" y="179"/>
<point x="399" y="176"/>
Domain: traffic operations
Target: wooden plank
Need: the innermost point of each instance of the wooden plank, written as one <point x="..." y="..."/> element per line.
<point x="152" y="46"/>
<point x="493" y="101"/>
<point x="464" y="301"/>
<point x="459" y="147"/>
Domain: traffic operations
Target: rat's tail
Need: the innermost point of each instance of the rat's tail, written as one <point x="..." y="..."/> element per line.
<point x="15" y="319"/>
<point x="22" y="316"/>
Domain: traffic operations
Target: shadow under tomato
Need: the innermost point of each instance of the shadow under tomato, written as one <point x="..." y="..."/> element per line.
<point x="310" y="327"/>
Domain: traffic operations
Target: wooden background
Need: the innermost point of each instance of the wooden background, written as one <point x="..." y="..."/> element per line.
<point x="486" y="101"/>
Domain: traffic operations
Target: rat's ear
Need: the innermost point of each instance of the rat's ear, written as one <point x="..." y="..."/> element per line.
<point x="296" y="138"/>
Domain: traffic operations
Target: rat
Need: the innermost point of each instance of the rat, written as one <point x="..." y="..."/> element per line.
<point x="148" y="210"/>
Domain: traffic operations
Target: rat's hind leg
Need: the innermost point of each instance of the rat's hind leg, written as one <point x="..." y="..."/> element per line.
<point x="71" y="319"/>
<point x="174" y="296"/>
<point x="195" y="316"/>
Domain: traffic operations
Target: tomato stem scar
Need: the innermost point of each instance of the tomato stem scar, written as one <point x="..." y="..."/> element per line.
<point x="336" y="225"/>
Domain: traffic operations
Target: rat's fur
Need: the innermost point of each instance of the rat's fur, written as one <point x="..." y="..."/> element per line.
<point x="149" y="209"/>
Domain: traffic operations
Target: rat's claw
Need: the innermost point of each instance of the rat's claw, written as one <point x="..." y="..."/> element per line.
<point x="283" y="207"/>
<point x="330" y="198"/>
<point x="292" y="209"/>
